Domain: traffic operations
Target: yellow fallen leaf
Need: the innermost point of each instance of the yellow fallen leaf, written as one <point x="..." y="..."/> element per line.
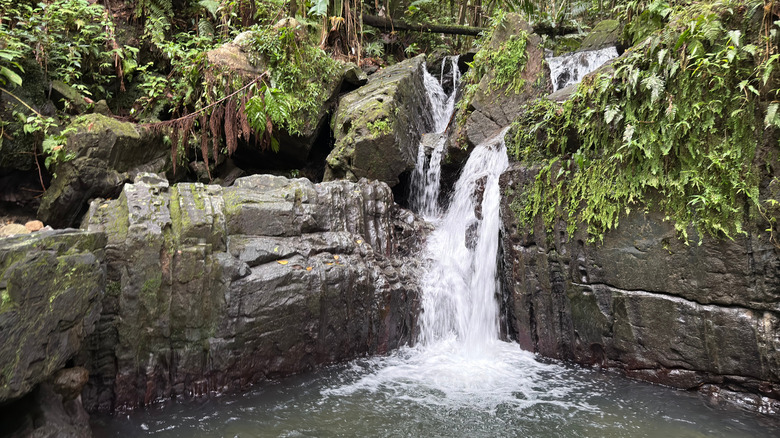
<point x="309" y="268"/>
<point x="335" y="257"/>
<point x="359" y="241"/>
<point x="276" y="249"/>
<point x="282" y="262"/>
<point x="329" y="264"/>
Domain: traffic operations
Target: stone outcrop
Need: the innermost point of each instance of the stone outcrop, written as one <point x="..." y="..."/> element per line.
<point x="689" y="316"/>
<point x="378" y="126"/>
<point x="491" y="109"/>
<point x="107" y="153"/>
<point x="212" y="289"/>
<point x="44" y="414"/>
<point x="605" y="33"/>
<point x="50" y="288"/>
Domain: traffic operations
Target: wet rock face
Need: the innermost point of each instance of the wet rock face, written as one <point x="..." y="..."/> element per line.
<point x="378" y="126"/>
<point x="44" y="414"/>
<point x="50" y="287"/>
<point x="212" y="289"/>
<point x="493" y="109"/>
<point x="646" y="303"/>
<point x="108" y="153"/>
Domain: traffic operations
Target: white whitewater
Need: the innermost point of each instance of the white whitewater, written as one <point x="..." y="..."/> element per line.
<point x="426" y="178"/>
<point x="460" y="362"/>
<point x="570" y="68"/>
<point x="459" y="289"/>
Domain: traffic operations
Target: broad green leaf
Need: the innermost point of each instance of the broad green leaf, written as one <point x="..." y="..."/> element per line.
<point x="11" y="76"/>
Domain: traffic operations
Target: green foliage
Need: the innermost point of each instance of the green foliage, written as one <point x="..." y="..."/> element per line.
<point x="72" y="39"/>
<point x="11" y="52"/>
<point x="299" y="77"/>
<point x="503" y="62"/>
<point x="676" y="127"/>
<point x="379" y="127"/>
<point x="374" y="49"/>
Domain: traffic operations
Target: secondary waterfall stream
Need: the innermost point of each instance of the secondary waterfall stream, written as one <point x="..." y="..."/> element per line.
<point x="460" y="379"/>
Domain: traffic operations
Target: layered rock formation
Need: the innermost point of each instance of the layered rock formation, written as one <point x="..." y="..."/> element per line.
<point x="212" y="289"/>
<point x="689" y="316"/>
<point x="50" y="288"/>
<point x="378" y="126"/>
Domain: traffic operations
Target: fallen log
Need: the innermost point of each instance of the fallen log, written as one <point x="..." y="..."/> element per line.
<point x="388" y="25"/>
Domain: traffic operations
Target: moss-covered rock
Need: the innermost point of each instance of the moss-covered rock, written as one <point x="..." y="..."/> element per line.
<point x="513" y="73"/>
<point x="214" y="288"/>
<point x="108" y="153"/>
<point x="604" y="34"/>
<point x="378" y="126"/>
<point x="50" y="287"/>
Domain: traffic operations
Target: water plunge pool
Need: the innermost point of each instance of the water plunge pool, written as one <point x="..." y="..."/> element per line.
<point x="443" y="391"/>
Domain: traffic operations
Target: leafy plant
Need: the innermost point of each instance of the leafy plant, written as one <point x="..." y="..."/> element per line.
<point x="676" y="126"/>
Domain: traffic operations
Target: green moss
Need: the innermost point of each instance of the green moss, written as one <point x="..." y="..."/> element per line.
<point x="5" y="301"/>
<point x="501" y="62"/>
<point x="152" y="285"/>
<point x="379" y="127"/>
<point x="675" y="128"/>
<point x="179" y="219"/>
<point x="99" y="123"/>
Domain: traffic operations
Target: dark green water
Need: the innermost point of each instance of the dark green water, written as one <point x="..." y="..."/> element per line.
<point x="441" y="392"/>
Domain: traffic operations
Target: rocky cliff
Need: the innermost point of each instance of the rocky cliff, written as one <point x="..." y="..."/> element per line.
<point x="646" y="303"/>
<point x="212" y="289"/>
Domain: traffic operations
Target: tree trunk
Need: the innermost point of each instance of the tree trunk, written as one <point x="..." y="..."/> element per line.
<point x="387" y="25"/>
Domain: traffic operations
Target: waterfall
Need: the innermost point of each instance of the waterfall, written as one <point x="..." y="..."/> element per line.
<point x="460" y="285"/>
<point x="572" y="67"/>
<point x="427" y="171"/>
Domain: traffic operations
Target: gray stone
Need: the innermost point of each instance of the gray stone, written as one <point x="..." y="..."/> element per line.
<point x="643" y="301"/>
<point x="378" y="126"/>
<point x="68" y="382"/>
<point x="50" y="287"/>
<point x="604" y="34"/>
<point x="44" y="414"/>
<point x="213" y="289"/>
<point x="108" y="153"/>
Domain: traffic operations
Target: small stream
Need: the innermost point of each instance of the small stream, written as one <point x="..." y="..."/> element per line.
<point x="460" y="379"/>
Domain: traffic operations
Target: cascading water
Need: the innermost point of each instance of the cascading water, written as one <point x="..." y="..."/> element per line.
<point x="427" y="171"/>
<point x="460" y="379"/>
<point x="570" y="68"/>
<point x="460" y="285"/>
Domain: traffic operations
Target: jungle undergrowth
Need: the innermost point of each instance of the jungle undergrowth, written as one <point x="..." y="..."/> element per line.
<point x="675" y="127"/>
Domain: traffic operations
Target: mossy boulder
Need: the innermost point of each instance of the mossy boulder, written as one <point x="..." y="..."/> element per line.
<point x="50" y="288"/>
<point x="493" y="106"/>
<point x="107" y="153"/>
<point x="378" y="126"/>
<point x="604" y="34"/>
<point x="212" y="288"/>
<point x="239" y="58"/>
